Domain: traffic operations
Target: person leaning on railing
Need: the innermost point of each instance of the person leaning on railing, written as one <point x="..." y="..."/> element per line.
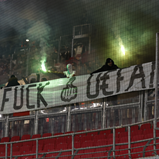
<point x="109" y="65"/>
<point x="13" y="81"/>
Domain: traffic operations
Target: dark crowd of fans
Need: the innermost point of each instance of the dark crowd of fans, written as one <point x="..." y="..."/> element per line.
<point x="24" y="60"/>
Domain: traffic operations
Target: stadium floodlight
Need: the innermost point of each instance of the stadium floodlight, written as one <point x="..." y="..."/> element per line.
<point x="27" y="40"/>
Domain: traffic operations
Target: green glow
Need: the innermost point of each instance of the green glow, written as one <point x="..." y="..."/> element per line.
<point x="123" y="49"/>
<point x="43" y="66"/>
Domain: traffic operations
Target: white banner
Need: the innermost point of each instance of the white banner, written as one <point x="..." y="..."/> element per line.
<point x="65" y="91"/>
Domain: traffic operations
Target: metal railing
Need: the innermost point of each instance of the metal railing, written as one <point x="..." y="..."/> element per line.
<point x="75" y="150"/>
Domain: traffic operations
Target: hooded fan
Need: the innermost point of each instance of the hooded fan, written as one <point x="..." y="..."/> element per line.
<point x="69" y="73"/>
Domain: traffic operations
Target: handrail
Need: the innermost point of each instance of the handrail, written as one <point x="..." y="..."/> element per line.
<point x="73" y="134"/>
<point x="76" y="133"/>
<point x="123" y="105"/>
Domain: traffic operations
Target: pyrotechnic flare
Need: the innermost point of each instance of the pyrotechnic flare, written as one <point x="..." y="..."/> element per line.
<point x="43" y="66"/>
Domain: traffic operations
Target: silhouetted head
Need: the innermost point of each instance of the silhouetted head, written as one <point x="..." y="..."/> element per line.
<point x="69" y="68"/>
<point x="12" y="76"/>
<point x="109" y="62"/>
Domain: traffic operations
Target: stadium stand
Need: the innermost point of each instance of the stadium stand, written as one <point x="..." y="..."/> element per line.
<point x="87" y="144"/>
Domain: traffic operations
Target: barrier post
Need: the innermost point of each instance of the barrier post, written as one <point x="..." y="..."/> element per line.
<point x="103" y="116"/>
<point x="129" y="142"/>
<point x="36" y="122"/>
<point x="68" y="118"/>
<point x="11" y="150"/>
<point x="6" y="125"/>
<point x="36" y="148"/>
<point x="113" y="143"/>
<point x="156" y="93"/>
<point x="72" y="144"/>
<point x="141" y="105"/>
<point x="6" y="151"/>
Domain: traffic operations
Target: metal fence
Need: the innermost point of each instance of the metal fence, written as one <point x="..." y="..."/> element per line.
<point x="112" y="153"/>
<point x="90" y="115"/>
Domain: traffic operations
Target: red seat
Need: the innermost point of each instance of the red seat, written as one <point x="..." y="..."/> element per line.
<point x="124" y="155"/>
<point x="40" y="142"/>
<point x="86" y="156"/>
<point x="40" y="147"/>
<point x="145" y="126"/>
<point x="137" y="132"/>
<point x="103" y="149"/>
<point x="48" y="141"/>
<point x="61" y="139"/>
<point x="39" y="156"/>
<point x="149" y="151"/>
<point x="69" y="132"/>
<point x="98" y="137"/>
<point x="61" y="146"/>
<point x="15" y="153"/>
<point x="87" y="144"/>
<point x="5" y="139"/>
<point x="49" y="147"/>
<point x="87" y="138"/>
<point x="15" y="138"/>
<point x="81" y="135"/>
<point x="119" y="130"/>
<point x="123" y="134"/>
<point x="110" y="141"/>
<point x="65" y="155"/>
<point x="123" y="152"/>
<point x="101" y="155"/>
<point x="138" y="152"/>
<point x="100" y="142"/>
<point x="123" y="140"/>
<point x="106" y="132"/>
<point x="68" y="139"/>
<point x="52" y="155"/>
<point x="147" y="136"/>
<point x="25" y="137"/>
<point x="134" y="128"/>
<point x="47" y="135"/>
<point x="25" y="149"/>
<point x="58" y="133"/>
<point x="92" y="133"/>
<point x="27" y="157"/>
<point x="69" y="146"/>
<point x="110" y="136"/>
<point x="2" y="153"/>
<point x="77" y="145"/>
<point x="137" y="138"/>
<point x="16" y="147"/>
<point x="36" y="136"/>
<point x="80" y="130"/>
<point x="76" y="139"/>
<point x="148" y="131"/>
